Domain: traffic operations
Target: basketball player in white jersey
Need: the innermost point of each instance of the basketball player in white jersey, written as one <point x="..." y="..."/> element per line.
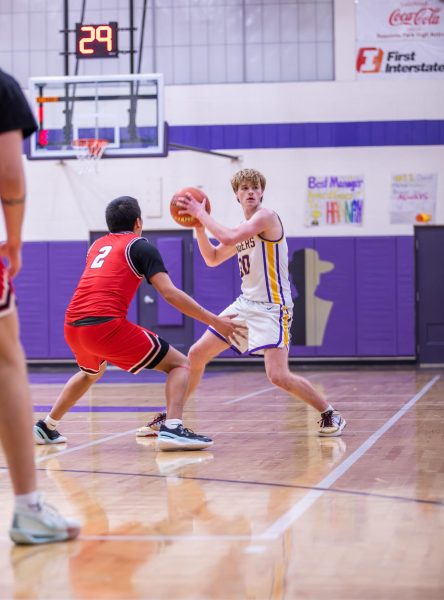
<point x="265" y="303"/>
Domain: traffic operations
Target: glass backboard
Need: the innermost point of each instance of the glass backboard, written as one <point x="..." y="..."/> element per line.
<point x="124" y="110"/>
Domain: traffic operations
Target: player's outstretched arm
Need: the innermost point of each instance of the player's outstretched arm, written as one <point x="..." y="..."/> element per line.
<point x="212" y="255"/>
<point x="188" y="306"/>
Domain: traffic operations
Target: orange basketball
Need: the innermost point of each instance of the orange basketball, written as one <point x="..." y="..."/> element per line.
<point x="187" y="220"/>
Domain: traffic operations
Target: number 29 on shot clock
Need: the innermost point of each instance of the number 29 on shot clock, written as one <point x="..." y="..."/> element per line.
<point x="97" y="41"/>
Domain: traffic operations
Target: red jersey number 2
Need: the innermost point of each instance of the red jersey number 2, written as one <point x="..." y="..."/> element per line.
<point x="100" y="258"/>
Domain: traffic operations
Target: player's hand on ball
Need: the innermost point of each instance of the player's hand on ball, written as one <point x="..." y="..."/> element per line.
<point x="184" y="206"/>
<point x="190" y="206"/>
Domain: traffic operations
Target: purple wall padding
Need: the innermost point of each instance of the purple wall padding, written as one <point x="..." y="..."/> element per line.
<point x="338" y="287"/>
<point x="376" y="296"/>
<point x="32" y="291"/>
<point x="405" y="296"/>
<point x="171" y="249"/>
<point x="214" y="288"/>
<point x="295" y="244"/>
<point x="66" y="264"/>
<point x="372" y="290"/>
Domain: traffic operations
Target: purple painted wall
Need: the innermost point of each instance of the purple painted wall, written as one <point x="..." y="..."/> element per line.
<point x="338" y="287"/>
<point x="376" y="296"/>
<point x="171" y="249"/>
<point x="66" y="261"/>
<point x="371" y="288"/>
<point x="32" y="289"/>
<point x="310" y="135"/>
<point x="405" y="296"/>
<point x="295" y="244"/>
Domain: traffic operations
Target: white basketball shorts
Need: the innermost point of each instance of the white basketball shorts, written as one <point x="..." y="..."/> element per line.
<point x="268" y="326"/>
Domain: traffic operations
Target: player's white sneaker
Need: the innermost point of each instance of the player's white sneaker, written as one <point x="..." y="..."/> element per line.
<point x="41" y="524"/>
<point x="331" y="424"/>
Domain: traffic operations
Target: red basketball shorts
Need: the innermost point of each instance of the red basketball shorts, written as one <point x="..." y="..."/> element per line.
<point x="7" y="296"/>
<point x="120" y="342"/>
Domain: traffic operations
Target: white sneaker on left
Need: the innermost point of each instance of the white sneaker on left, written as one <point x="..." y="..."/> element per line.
<point x="41" y="525"/>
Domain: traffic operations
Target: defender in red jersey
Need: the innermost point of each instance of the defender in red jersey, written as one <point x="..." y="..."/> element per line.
<point x="97" y="330"/>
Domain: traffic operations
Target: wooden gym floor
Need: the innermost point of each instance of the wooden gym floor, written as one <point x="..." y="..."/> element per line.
<point x="272" y="511"/>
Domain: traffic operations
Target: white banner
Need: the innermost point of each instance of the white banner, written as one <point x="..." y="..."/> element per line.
<point x="334" y="200"/>
<point x="400" y="38"/>
<point x="399" y="19"/>
<point x="413" y="198"/>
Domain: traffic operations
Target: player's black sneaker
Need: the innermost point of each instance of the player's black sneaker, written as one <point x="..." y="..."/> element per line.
<point x="181" y="438"/>
<point x="44" y="435"/>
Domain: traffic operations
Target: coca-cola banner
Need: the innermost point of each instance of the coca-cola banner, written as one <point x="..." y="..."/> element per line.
<point x="400" y="38"/>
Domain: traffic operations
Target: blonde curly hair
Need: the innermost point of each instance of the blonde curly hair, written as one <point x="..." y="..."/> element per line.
<point x="247" y="176"/>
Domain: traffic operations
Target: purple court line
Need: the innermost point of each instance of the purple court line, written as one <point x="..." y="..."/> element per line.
<point x="110" y="377"/>
<point x="82" y="409"/>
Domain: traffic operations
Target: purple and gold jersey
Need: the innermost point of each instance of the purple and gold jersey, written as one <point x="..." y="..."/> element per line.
<point x="263" y="266"/>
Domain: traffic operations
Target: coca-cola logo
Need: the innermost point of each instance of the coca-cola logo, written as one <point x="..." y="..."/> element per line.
<point x="423" y="16"/>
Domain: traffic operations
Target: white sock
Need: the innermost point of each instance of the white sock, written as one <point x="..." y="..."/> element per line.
<point x="51" y="423"/>
<point x="329" y="407"/>
<point x="30" y="501"/>
<point x="173" y="423"/>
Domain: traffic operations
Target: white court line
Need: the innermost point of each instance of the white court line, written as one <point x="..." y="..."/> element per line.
<point x="268" y="389"/>
<point x="117" y="435"/>
<point x="287" y="519"/>
<point x="82" y="446"/>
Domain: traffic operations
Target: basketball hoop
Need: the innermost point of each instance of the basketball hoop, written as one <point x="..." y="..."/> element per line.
<point x="88" y="152"/>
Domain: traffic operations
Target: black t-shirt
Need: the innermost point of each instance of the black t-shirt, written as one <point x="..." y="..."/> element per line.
<point x="15" y="112"/>
<point x="146" y="259"/>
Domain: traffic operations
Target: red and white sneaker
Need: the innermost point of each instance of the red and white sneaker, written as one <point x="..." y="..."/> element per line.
<point x="152" y="428"/>
<point x="331" y="424"/>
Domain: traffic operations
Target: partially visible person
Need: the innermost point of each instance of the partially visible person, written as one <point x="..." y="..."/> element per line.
<point x="265" y="305"/>
<point x="97" y="330"/>
<point x="34" y="521"/>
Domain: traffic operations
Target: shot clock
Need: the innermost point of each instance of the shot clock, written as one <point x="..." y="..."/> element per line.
<point x="96" y="41"/>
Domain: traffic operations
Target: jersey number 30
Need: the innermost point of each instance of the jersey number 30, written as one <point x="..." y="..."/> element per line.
<point x="244" y="264"/>
<point x="100" y="258"/>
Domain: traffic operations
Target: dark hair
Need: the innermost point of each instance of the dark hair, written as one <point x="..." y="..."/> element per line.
<point x="121" y="214"/>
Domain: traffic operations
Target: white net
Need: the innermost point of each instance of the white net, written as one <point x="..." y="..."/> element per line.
<point x="89" y="151"/>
